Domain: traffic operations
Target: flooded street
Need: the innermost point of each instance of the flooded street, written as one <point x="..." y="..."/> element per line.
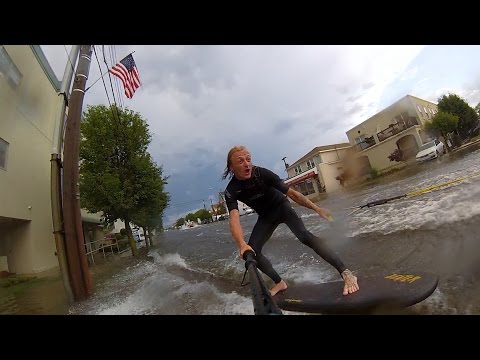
<point x="198" y="271"/>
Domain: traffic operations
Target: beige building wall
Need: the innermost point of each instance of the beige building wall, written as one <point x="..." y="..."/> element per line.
<point x="328" y="164"/>
<point x="27" y="118"/>
<point x="399" y="126"/>
<point x="329" y="171"/>
<point x="26" y="123"/>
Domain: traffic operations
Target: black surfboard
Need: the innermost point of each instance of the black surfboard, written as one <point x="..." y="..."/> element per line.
<point x="397" y="290"/>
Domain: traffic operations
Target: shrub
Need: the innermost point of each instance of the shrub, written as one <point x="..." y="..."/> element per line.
<point x="396" y="155"/>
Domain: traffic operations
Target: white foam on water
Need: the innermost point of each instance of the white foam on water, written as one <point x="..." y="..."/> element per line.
<point x="314" y="272"/>
<point x="163" y="293"/>
<point x="306" y="216"/>
<point x="170" y="260"/>
<point x="427" y="211"/>
<point x="231" y="304"/>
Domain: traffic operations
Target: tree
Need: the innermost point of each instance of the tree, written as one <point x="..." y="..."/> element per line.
<point x="203" y="215"/>
<point x="221" y="209"/>
<point x="150" y="209"/>
<point x="115" y="167"/>
<point x="443" y="123"/>
<point x="191" y="217"/>
<point x="455" y="105"/>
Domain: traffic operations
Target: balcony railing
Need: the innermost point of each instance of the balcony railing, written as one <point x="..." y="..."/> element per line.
<point x="394" y="129"/>
<point x="365" y="144"/>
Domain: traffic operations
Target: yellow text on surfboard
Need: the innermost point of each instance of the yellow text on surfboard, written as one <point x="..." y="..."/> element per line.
<point x="403" y="278"/>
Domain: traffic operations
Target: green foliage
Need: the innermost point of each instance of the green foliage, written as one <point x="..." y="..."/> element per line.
<point x="123" y="232"/>
<point x="191" y="217"/>
<point x="180" y="222"/>
<point x="374" y="173"/>
<point x="457" y="106"/>
<point x="221" y="209"/>
<point x="122" y="244"/>
<point x="203" y="215"/>
<point x="150" y="208"/>
<point x="442" y="123"/>
<point x="117" y="175"/>
<point x="112" y="142"/>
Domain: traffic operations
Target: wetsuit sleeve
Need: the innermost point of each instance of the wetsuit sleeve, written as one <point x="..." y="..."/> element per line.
<point x="230" y="199"/>
<point x="272" y="179"/>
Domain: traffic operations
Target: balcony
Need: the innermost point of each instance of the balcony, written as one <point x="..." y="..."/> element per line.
<point x="365" y="144"/>
<point x="394" y="129"/>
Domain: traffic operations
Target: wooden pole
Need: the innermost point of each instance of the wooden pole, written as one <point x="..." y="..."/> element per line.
<point x="80" y="277"/>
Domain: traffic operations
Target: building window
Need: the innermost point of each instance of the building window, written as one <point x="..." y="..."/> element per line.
<point x="310" y="164"/>
<point x="318" y="159"/>
<point x="364" y="142"/>
<point x="8" y="70"/>
<point x="3" y="154"/>
<point x="305" y="187"/>
<point x="298" y="169"/>
<point x="360" y="139"/>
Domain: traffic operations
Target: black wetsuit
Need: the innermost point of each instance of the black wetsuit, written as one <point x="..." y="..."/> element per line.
<point x="265" y="193"/>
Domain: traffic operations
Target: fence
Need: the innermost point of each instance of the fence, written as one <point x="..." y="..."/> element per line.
<point x="105" y="243"/>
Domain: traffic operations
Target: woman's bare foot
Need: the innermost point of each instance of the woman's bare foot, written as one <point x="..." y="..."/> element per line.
<point x="351" y="284"/>
<point x="282" y="285"/>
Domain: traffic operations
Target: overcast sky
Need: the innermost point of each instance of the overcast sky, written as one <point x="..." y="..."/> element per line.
<point x="199" y="101"/>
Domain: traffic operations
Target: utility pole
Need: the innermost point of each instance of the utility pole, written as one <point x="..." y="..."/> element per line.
<point x="213" y="210"/>
<point x="286" y="165"/>
<point x="56" y="178"/>
<point x="80" y="277"/>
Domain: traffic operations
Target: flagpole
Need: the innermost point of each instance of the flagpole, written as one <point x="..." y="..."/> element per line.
<point x="105" y="73"/>
<point x="96" y="80"/>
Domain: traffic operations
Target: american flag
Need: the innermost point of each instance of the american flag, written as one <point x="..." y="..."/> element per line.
<point x="126" y="70"/>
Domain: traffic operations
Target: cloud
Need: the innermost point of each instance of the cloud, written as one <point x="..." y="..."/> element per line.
<point x="354" y="109"/>
<point x="279" y="101"/>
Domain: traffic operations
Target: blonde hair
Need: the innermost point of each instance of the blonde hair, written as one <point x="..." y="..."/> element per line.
<point x="228" y="171"/>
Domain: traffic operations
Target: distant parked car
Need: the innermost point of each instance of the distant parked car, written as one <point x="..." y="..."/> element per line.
<point x="430" y="150"/>
<point x="137" y="236"/>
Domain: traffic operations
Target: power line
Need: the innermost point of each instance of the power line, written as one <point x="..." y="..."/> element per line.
<point x="186" y="203"/>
